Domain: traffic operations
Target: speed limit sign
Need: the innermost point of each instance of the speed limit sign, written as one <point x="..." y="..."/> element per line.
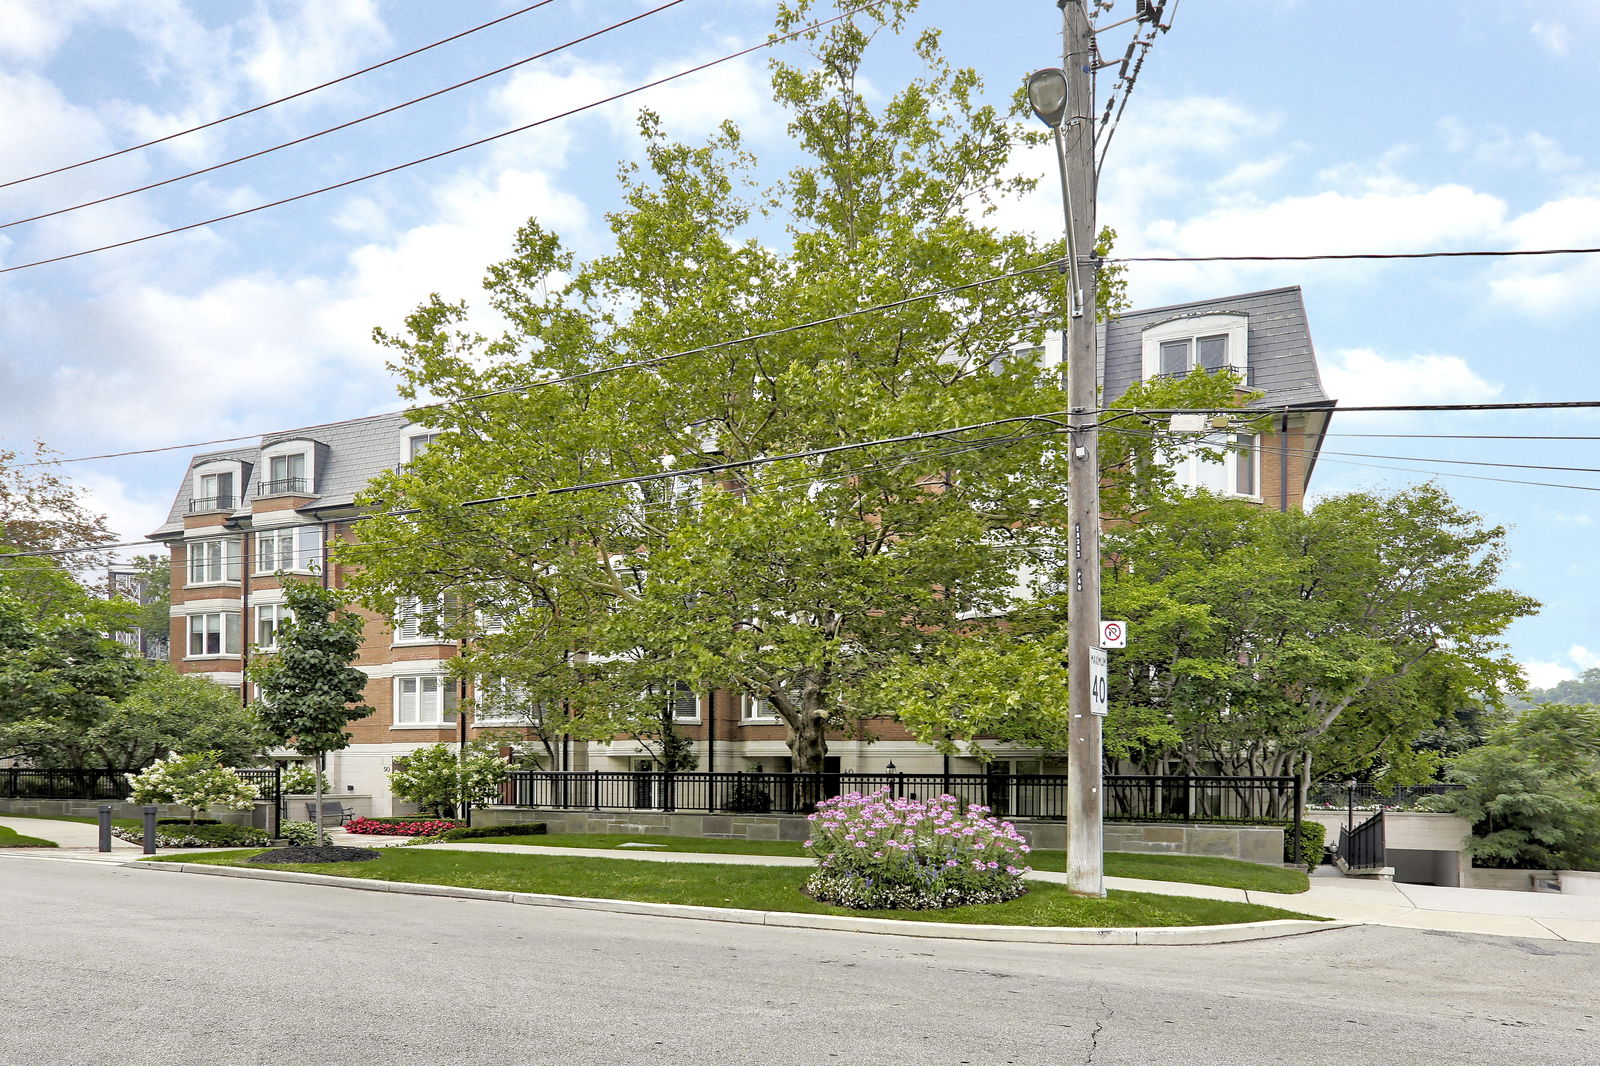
<point x="1113" y="634"/>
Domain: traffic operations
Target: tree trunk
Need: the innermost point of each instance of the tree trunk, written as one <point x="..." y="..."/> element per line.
<point x="808" y="743"/>
<point x="322" y="837"/>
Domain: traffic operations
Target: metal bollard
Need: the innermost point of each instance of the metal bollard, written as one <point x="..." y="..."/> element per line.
<point x="149" y="830"/>
<point x="105" y="827"/>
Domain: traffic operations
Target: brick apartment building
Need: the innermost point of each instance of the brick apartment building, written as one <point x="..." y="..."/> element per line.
<point x="242" y="515"/>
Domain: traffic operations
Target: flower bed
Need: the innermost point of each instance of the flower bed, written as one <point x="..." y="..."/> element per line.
<point x="422" y="827"/>
<point x="878" y="853"/>
<point x="198" y="835"/>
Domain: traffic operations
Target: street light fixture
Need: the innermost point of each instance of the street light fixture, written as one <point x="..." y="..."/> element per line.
<point x="1047" y="95"/>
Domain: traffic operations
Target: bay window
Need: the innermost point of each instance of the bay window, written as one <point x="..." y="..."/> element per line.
<point x="213" y="562"/>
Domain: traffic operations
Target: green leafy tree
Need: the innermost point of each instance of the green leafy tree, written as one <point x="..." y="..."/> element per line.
<point x="1533" y="791"/>
<point x="441" y="779"/>
<point x="162" y="712"/>
<point x="198" y="781"/>
<point x="1582" y="689"/>
<point x="795" y="582"/>
<point x="156" y="611"/>
<point x="58" y="680"/>
<point x="309" y="692"/>
<point x="1270" y="642"/>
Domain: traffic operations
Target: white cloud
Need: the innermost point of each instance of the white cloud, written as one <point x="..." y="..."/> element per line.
<point x="1546" y="675"/>
<point x="1553" y="37"/>
<point x="1493" y="146"/>
<point x="1583" y="657"/>
<point x="1362" y="377"/>
<point x="130" y="513"/>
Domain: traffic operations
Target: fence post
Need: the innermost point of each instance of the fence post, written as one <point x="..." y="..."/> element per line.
<point x="277" y="800"/>
<point x="105" y="827"/>
<point x="899" y="784"/>
<point x="594" y="788"/>
<point x="149" y="830"/>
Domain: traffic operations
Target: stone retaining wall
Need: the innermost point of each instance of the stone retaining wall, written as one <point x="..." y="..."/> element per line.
<point x="81" y="808"/>
<point x="1251" y="843"/>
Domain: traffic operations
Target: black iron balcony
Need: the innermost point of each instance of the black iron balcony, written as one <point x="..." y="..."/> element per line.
<point x="212" y="503"/>
<point x="284" y="486"/>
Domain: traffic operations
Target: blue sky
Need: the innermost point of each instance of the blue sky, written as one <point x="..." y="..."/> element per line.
<point x="1256" y="128"/>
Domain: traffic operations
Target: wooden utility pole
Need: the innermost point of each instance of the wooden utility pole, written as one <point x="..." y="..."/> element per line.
<point x="1075" y="144"/>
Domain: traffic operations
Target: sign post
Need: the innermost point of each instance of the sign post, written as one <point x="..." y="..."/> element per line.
<point x="1099" y="702"/>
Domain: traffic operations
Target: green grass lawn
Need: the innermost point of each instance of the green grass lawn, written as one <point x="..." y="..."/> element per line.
<point x="10" y="838"/>
<point x="765" y="888"/>
<point x="1189" y="869"/>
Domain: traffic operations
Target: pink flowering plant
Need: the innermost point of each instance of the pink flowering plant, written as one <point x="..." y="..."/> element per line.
<point x="422" y="827"/>
<point x="874" y="852"/>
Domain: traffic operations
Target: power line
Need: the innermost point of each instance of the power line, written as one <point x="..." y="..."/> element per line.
<point x="346" y="125"/>
<point x="581" y="375"/>
<point x="1462" y="436"/>
<point x="768" y="43"/>
<point x="889" y="462"/>
<point x="279" y="100"/>
<point x="1307" y="452"/>
<point x="1287" y="409"/>
<point x="1351" y="255"/>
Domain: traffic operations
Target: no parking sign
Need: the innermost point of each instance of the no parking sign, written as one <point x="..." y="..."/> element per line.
<point x="1113" y="634"/>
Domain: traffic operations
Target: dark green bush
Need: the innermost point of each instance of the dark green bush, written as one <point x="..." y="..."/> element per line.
<point x="478" y="832"/>
<point x="184" y="835"/>
<point x="185" y="821"/>
<point x="747" y="797"/>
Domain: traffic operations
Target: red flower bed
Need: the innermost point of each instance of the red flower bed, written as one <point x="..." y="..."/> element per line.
<point x="426" y="827"/>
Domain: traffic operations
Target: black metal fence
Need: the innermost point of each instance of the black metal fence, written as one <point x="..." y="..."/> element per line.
<point x="1182" y="799"/>
<point x="1362" y="848"/>
<point x="1369" y="797"/>
<point x="22" y="783"/>
<point x="26" y="783"/>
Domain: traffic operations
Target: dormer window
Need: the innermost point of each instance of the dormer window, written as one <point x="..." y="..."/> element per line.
<point x="1203" y="342"/>
<point x="414" y="441"/>
<point x="216" y="486"/>
<point x="286" y="470"/>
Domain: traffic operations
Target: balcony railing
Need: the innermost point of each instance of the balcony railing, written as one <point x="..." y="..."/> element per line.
<point x="284" y="486"/>
<point x="212" y="503"/>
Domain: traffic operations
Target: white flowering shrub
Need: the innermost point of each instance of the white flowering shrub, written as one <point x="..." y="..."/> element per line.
<point x="300" y="779"/>
<point x="878" y="853"/>
<point x="197" y="781"/>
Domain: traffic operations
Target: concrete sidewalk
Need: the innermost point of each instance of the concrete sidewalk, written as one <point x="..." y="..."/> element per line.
<point x="1534" y="916"/>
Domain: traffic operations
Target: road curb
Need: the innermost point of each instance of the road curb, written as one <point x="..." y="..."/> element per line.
<point x="1152" y="936"/>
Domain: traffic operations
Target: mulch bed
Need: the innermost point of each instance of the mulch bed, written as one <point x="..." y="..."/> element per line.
<point x="326" y="853"/>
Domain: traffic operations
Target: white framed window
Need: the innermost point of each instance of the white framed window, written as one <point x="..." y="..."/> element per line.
<point x="683" y="703"/>
<point x="1233" y="467"/>
<point x="295" y="548"/>
<point x="424" y="700"/>
<point x="416" y="621"/>
<point x="269" y="620"/>
<point x="1205" y="342"/>
<point x="413" y="442"/>
<point x="502" y="702"/>
<point x="287" y="468"/>
<point x="213" y="634"/>
<point x="754" y="709"/>
<point x="213" y="561"/>
<point x="216" y="486"/>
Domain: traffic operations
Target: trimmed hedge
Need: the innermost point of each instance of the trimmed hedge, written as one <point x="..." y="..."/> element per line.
<point x="478" y="832"/>
<point x="185" y="821"/>
<point x="184" y="835"/>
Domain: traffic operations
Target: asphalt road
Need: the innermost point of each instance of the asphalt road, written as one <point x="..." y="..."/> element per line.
<point x="105" y="964"/>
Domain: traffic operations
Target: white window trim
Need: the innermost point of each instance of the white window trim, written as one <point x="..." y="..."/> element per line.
<point x="188" y="635"/>
<point x="1235" y="326"/>
<point x="486" y="696"/>
<point x="421" y="608"/>
<point x="296" y="552"/>
<point x="447" y="710"/>
<point x="1187" y="469"/>
<point x="279" y="612"/>
<point x="278" y="450"/>
<point x="674" y="696"/>
<point x="189" y="556"/>
<point x="411" y="433"/>
<point x="218" y="466"/>
<point x="751" y="711"/>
